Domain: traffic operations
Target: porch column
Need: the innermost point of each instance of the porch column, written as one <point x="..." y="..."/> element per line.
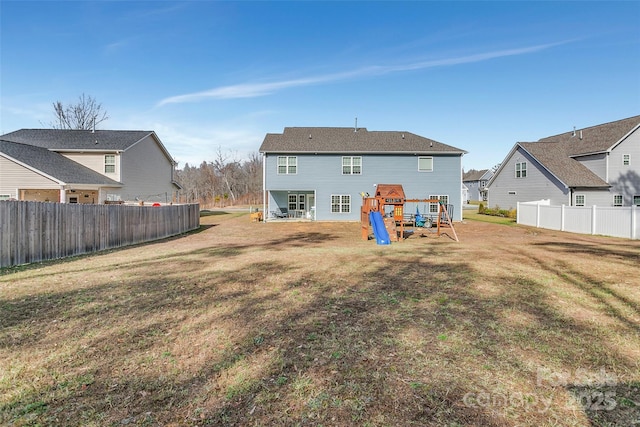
<point x="63" y="195"/>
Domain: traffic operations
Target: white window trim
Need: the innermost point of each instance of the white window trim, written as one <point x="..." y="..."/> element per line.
<point x="424" y="158"/>
<point x="340" y="204"/>
<point x="287" y="164"/>
<point x="439" y="197"/>
<point x="106" y="163"/>
<point x="584" y="199"/>
<point x="619" y="197"/>
<point x="351" y="165"/>
<point x="522" y="169"/>
<point x="626" y="158"/>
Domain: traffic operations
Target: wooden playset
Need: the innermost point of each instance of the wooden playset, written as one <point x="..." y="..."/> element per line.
<point x="395" y="221"/>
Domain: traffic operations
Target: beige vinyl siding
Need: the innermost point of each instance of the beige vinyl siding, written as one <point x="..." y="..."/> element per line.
<point x="15" y="176"/>
<point x="95" y="161"/>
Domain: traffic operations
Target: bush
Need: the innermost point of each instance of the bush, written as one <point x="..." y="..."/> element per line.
<point x="511" y="213"/>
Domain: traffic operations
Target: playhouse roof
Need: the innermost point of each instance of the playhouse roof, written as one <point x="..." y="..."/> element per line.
<point x="390" y="191"/>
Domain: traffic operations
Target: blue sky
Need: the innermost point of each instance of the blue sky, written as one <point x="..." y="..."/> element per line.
<point x="213" y="76"/>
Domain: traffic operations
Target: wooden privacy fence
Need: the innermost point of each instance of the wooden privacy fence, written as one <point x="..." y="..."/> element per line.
<point x="604" y="220"/>
<point x="35" y="231"/>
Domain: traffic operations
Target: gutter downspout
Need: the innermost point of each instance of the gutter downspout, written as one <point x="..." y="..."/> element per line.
<point x="264" y="187"/>
<point x="570" y="196"/>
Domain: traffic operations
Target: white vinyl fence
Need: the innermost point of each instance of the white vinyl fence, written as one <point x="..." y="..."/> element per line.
<point x="621" y="221"/>
<point x="36" y="231"/>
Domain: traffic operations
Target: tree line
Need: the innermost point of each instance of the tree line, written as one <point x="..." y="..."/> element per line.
<point x="222" y="182"/>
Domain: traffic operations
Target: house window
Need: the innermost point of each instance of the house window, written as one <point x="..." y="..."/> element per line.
<point x="296" y="202"/>
<point x="433" y="207"/>
<point x="626" y="159"/>
<point x="287" y="165"/>
<point x="617" y="200"/>
<point x="351" y="165"/>
<point x="580" y="199"/>
<point x="5" y="196"/>
<point x="521" y="170"/>
<point x="425" y="164"/>
<point x="340" y="203"/>
<point x="109" y="163"/>
<point x="636" y="200"/>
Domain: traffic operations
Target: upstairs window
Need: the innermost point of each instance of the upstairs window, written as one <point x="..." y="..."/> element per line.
<point x="617" y="200"/>
<point x="109" y="163"/>
<point x="351" y="165"/>
<point x="580" y="199"/>
<point x="425" y="164"/>
<point x="626" y="159"/>
<point x="636" y="200"/>
<point x="521" y="170"/>
<point x="287" y="165"/>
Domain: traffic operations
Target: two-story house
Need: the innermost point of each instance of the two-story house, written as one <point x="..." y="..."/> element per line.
<point x="597" y="165"/>
<point x="321" y="173"/>
<point x="475" y="182"/>
<point x="85" y="166"/>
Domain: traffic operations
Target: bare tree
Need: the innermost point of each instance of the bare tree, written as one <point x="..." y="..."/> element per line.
<point x="84" y="115"/>
<point x="222" y="181"/>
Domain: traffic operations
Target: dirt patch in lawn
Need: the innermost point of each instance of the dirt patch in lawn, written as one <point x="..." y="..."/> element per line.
<point x="297" y="323"/>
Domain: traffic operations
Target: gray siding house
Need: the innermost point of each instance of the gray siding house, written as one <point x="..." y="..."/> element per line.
<point x="321" y="173"/>
<point x="84" y="166"/>
<point x="476" y="183"/>
<point x="598" y="165"/>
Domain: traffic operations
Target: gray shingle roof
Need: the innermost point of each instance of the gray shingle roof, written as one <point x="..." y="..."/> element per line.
<point x="554" y="157"/>
<point x="557" y="153"/>
<point x="348" y="140"/>
<point x="54" y="164"/>
<point x="595" y="139"/>
<point x="474" y="175"/>
<point x="62" y="139"/>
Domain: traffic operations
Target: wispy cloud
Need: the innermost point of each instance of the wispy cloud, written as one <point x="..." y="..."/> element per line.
<point x="252" y="90"/>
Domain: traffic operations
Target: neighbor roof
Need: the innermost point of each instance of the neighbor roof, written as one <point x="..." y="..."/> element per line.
<point x="351" y="140"/>
<point x="554" y="157"/>
<point x="63" y="139"/>
<point x="595" y="139"/>
<point x="474" y="175"/>
<point x="54" y="165"/>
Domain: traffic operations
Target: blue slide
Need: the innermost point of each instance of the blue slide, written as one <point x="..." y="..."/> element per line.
<point x="379" y="230"/>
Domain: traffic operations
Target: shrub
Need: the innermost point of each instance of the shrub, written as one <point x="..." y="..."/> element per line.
<point x="511" y="213"/>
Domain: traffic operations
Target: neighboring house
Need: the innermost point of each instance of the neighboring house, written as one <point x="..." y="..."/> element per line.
<point x="476" y="183"/>
<point x="598" y="165"/>
<point x="321" y="173"/>
<point x="84" y="166"/>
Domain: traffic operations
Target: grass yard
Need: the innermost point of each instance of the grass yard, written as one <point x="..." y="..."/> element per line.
<point x="287" y="324"/>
